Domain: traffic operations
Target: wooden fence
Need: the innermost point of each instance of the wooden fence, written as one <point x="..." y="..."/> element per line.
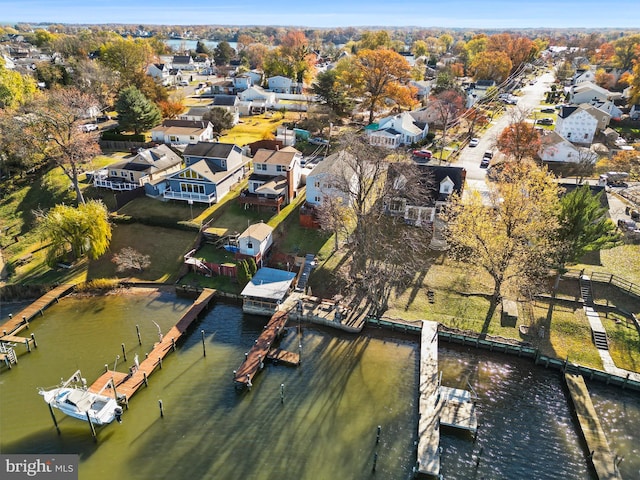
<point x="622" y="284"/>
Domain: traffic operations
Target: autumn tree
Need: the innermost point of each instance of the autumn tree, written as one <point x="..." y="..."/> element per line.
<point x="16" y="154"/>
<point x="626" y="161"/>
<point x="518" y="49"/>
<point x="171" y="108"/>
<point x="82" y="230"/>
<point x="446" y="106"/>
<point x="378" y="75"/>
<point x="519" y="140"/>
<point x="135" y="112"/>
<point x="512" y="237"/>
<point x="15" y="89"/>
<point x="129" y="57"/>
<point x="491" y="66"/>
<point x="130" y="259"/>
<point x="52" y="126"/>
<point x="626" y="51"/>
<point x="373" y="40"/>
<point x="96" y="79"/>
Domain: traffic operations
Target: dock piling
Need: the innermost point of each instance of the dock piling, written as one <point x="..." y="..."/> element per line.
<point x="93" y="429"/>
<point x="160" y="362"/>
<point x="124" y="352"/>
<point x="26" y="342"/>
<point x="144" y="379"/>
<point x="173" y="344"/>
<point x="204" y="350"/>
<point x="106" y="368"/>
<point x="33" y="338"/>
<point x="375" y="461"/>
<point x="138" y="332"/>
<point x="55" y="421"/>
<point x="378" y="434"/>
<point x="282" y="393"/>
<point x="161" y="408"/>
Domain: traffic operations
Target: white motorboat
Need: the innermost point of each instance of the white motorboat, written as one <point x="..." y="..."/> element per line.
<point x="72" y="398"/>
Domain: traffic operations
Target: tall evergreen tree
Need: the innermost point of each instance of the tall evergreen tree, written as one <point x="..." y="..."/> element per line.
<point x="135" y="112"/>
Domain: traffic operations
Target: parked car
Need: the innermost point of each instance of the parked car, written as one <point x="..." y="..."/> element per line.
<point x="318" y="141"/>
<point x="545" y="121"/>
<point x="422" y="153"/>
<point x="484" y="163"/>
<point x="548" y="110"/>
<point x="488" y="154"/>
<point x="627" y="225"/>
<point x="88" y="127"/>
<point x="183" y="83"/>
<point x="474" y="142"/>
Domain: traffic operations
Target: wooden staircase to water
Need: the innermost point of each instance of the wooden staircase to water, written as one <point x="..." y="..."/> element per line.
<point x="586" y="292"/>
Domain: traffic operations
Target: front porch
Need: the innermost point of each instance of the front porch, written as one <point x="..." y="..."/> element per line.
<point x="248" y="199"/>
<point x="190" y="196"/>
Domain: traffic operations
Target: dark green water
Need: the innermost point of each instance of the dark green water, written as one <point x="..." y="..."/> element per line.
<point x="325" y="429"/>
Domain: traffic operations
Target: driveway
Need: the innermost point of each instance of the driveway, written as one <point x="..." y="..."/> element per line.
<point x="470" y="157"/>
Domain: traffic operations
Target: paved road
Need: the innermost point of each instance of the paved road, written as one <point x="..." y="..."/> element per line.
<point x="470" y="157"/>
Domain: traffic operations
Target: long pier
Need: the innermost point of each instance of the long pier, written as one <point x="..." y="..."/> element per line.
<point x="127" y="384"/>
<point x="263" y="349"/>
<point x="438" y="405"/>
<point x="20" y="322"/>
<point x="601" y="457"/>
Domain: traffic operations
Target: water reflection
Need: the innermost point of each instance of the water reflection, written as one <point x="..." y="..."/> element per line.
<point x="326" y="426"/>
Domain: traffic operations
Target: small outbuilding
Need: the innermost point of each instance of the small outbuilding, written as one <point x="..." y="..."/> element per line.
<point x="266" y="291"/>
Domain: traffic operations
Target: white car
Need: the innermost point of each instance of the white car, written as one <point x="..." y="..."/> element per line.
<point x="183" y="83"/>
<point x="89" y="127"/>
<point x="474" y="142"/>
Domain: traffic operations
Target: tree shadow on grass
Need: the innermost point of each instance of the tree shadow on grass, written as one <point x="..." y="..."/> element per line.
<point x="417" y="286"/>
<point x="493" y="305"/>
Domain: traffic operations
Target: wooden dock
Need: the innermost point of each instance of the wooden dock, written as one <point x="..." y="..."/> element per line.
<point x="277" y="355"/>
<point x="438" y="405"/>
<point x="21" y="320"/>
<point x="254" y="361"/>
<point x="127" y="384"/>
<point x="601" y="457"/>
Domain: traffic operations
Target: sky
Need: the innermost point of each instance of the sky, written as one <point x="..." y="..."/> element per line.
<point x="478" y="14"/>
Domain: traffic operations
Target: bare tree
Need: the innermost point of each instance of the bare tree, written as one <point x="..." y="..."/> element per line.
<point x="130" y="259"/>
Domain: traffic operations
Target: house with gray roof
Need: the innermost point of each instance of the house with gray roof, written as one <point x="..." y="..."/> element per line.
<point x="146" y="166"/>
<point x="396" y="130"/>
<point x="211" y="170"/>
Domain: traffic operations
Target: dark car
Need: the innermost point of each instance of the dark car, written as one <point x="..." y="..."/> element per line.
<point x="484" y="163"/>
<point x="545" y="121"/>
<point x="627" y="225"/>
<point x="548" y="110"/>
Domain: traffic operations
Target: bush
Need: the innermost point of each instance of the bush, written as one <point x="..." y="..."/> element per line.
<point x="115" y="135"/>
<point x="99" y="285"/>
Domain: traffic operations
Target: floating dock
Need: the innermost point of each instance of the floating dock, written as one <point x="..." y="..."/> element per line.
<point x="127" y="384"/>
<point x="438" y="405"/>
<point x="601" y="457"/>
<point x="254" y="361"/>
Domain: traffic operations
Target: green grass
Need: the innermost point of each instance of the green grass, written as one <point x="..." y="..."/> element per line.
<point x="211" y="254"/>
<point x="221" y="282"/>
<point x="624" y="341"/>
<point x="621" y="261"/>
<point x="164" y="246"/>
<point x="256" y="128"/>
<point x="167" y="212"/>
<point x="234" y="219"/>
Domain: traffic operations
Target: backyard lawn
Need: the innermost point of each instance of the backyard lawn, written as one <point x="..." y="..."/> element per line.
<point x="257" y="127"/>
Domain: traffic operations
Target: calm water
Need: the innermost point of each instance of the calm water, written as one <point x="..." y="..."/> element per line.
<point x="325" y="429"/>
<point x="192" y="44"/>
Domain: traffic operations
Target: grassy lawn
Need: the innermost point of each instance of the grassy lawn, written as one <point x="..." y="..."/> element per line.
<point x="165" y="212"/>
<point x="234" y="219"/>
<point x="164" y="246"/>
<point x="222" y="283"/>
<point x="622" y="261"/>
<point x="256" y="128"/>
<point x="624" y="341"/>
<point x="211" y="254"/>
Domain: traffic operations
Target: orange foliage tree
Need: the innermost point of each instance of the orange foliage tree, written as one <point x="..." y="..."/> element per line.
<point x="379" y="74"/>
<point x="518" y="49"/>
<point x="491" y="66"/>
<point x="519" y="140"/>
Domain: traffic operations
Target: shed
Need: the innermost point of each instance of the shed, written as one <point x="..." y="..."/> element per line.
<point x="266" y="291"/>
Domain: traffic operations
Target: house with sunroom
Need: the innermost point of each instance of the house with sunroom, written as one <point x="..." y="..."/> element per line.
<point x="396" y="130"/>
<point x="212" y="170"/>
<point x="147" y="165"/>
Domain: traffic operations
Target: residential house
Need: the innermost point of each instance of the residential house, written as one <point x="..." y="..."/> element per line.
<point x="257" y="99"/>
<point x="583" y="75"/>
<point x="280" y="84"/>
<point x="212" y="169"/>
<point x="555" y="148"/>
<point x="586" y="92"/>
<point x="183" y="62"/>
<point x="267" y="291"/>
<point x="439" y="183"/>
<point x="159" y="72"/>
<point x="147" y="165"/>
<point x="609" y="107"/>
<point x="255" y="242"/>
<point x="230" y="103"/>
<point x="423" y="88"/>
<point x="256" y="76"/>
<point x="578" y="124"/>
<point x="322" y="184"/>
<point x="396" y="130"/>
<point x="634" y="112"/>
<point x="223" y="87"/>
<point x="275" y="179"/>
<point x="195" y="113"/>
<point x="181" y="132"/>
<point x="242" y="82"/>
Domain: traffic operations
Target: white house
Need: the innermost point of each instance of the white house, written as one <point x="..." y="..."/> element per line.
<point x="159" y="72"/>
<point x="555" y="148"/>
<point x="255" y="242"/>
<point x="242" y="82"/>
<point x="583" y="75"/>
<point x="280" y="84"/>
<point x="587" y="91"/>
<point x="334" y="169"/>
<point x="181" y="132"/>
<point x="183" y="62"/>
<point x="608" y="107"/>
<point x="577" y="124"/>
<point x="256" y="93"/>
<point x="397" y="130"/>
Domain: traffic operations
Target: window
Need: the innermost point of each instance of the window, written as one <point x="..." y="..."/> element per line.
<point x="586" y="135"/>
<point x="173" y="138"/>
<point x="317" y="199"/>
<point x="250" y="245"/>
<point x="281" y="168"/>
<point x="396" y="205"/>
<point x="261" y="166"/>
<point x="316" y="184"/>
